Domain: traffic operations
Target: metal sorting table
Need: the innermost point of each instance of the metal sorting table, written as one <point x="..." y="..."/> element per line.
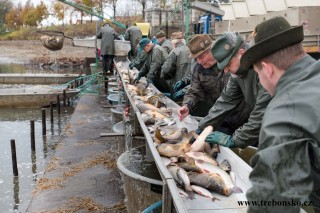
<point x="170" y="194"/>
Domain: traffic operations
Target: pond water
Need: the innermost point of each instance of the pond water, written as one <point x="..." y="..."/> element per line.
<point x="16" y="192"/>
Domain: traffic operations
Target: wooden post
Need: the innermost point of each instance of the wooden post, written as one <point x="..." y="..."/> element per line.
<point x="33" y="145"/>
<point x="44" y="128"/>
<point x="64" y="97"/>
<point x="14" y="158"/>
<point x="51" y="112"/>
<point x="58" y="104"/>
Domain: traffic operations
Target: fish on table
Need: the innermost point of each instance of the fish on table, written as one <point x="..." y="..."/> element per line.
<point x="175" y="150"/>
<point x="213" y="169"/>
<point x="181" y="177"/>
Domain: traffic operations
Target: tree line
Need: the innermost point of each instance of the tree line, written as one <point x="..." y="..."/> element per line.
<point x="14" y="17"/>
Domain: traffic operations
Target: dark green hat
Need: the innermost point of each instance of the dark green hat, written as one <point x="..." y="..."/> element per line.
<point x="270" y="36"/>
<point x="225" y="47"/>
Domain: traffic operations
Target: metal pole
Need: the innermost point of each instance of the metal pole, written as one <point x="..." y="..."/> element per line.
<point x="33" y="146"/>
<point x="44" y="128"/>
<point x="14" y="158"/>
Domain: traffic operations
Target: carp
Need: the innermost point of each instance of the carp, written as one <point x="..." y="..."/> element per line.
<point x="210" y="168"/>
<point x="202" y="156"/>
<point x="175" y="150"/>
<point x="209" y="181"/>
<point x="204" y="192"/>
<point x="181" y="177"/>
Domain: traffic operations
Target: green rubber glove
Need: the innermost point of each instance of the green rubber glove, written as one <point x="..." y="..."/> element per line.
<point x="221" y="139"/>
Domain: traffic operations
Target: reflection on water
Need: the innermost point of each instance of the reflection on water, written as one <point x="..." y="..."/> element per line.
<point x="16" y="192"/>
<point x="35" y="69"/>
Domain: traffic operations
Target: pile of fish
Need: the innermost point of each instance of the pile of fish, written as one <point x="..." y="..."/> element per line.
<point x="193" y="165"/>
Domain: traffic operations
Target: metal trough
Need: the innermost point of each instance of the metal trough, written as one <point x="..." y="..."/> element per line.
<point x="142" y="181"/>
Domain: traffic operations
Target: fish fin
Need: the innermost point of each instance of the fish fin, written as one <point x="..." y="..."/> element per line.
<point x="195" y="135"/>
<point x="236" y="189"/>
<point x="190" y="195"/>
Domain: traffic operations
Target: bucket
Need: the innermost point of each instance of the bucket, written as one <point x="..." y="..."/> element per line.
<point x="113" y="90"/>
<point x="121" y="47"/>
<point x="93" y="68"/>
<point x="142" y="181"/>
<point x="120" y="128"/>
<point x="114" y="99"/>
<point x="117" y="114"/>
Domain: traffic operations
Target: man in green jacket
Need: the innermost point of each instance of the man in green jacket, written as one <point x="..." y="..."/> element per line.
<point x="178" y="64"/>
<point x="163" y="41"/>
<point x="207" y="83"/>
<point x="286" y="168"/>
<point x="156" y="56"/>
<point x="244" y="85"/>
<point x="134" y="35"/>
<point x="107" y="35"/>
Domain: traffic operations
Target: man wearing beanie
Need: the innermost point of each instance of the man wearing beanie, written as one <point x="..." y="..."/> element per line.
<point x="286" y="168"/>
<point x="244" y="85"/>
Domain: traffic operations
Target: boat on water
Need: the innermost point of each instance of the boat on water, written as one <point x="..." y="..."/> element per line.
<point x="33" y="97"/>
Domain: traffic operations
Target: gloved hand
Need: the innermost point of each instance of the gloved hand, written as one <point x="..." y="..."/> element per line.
<point x="178" y="95"/>
<point x="198" y="132"/>
<point x="131" y="65"/>
<point x="221" y="139"/>
<point x="136" y="80"/>
<point x="178" y="86"/>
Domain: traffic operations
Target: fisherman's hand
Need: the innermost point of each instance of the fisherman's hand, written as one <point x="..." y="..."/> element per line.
<point x="221" y="139"/>
<point x="178" y="95"/>
<point x="178" y="86"/>
<point x="183" y="112"/>
<point x="136" y="80"/>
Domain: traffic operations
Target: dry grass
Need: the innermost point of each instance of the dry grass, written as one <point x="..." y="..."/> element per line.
<point x="46" y="183"/>
<point x="106" y="158"/>
<point x="53" y="164"/>
<point x="75" y="204"/>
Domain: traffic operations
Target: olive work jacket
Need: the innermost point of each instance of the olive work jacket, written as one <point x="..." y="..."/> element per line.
<point x="246" y="87"/>
<point x="134" y="35"/>
<point x="177" y="65"/>
<point x="167" y="45"/>
<point x="206" y="87"/>
<point x="107" y="35"/>
<point x="152" y="67"/>
<point x="286" y="167"/>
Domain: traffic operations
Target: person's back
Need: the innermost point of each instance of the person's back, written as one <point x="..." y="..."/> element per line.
<point x="134" y="35"/>
<point x="107" y="35"/>
<point x="178" y="64"/>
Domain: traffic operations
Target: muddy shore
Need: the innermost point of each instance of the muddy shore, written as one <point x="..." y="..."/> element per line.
<point x="34" y="53"/>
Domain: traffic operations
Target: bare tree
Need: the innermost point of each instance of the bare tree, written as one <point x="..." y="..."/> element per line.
<point x="143" y="4"/>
